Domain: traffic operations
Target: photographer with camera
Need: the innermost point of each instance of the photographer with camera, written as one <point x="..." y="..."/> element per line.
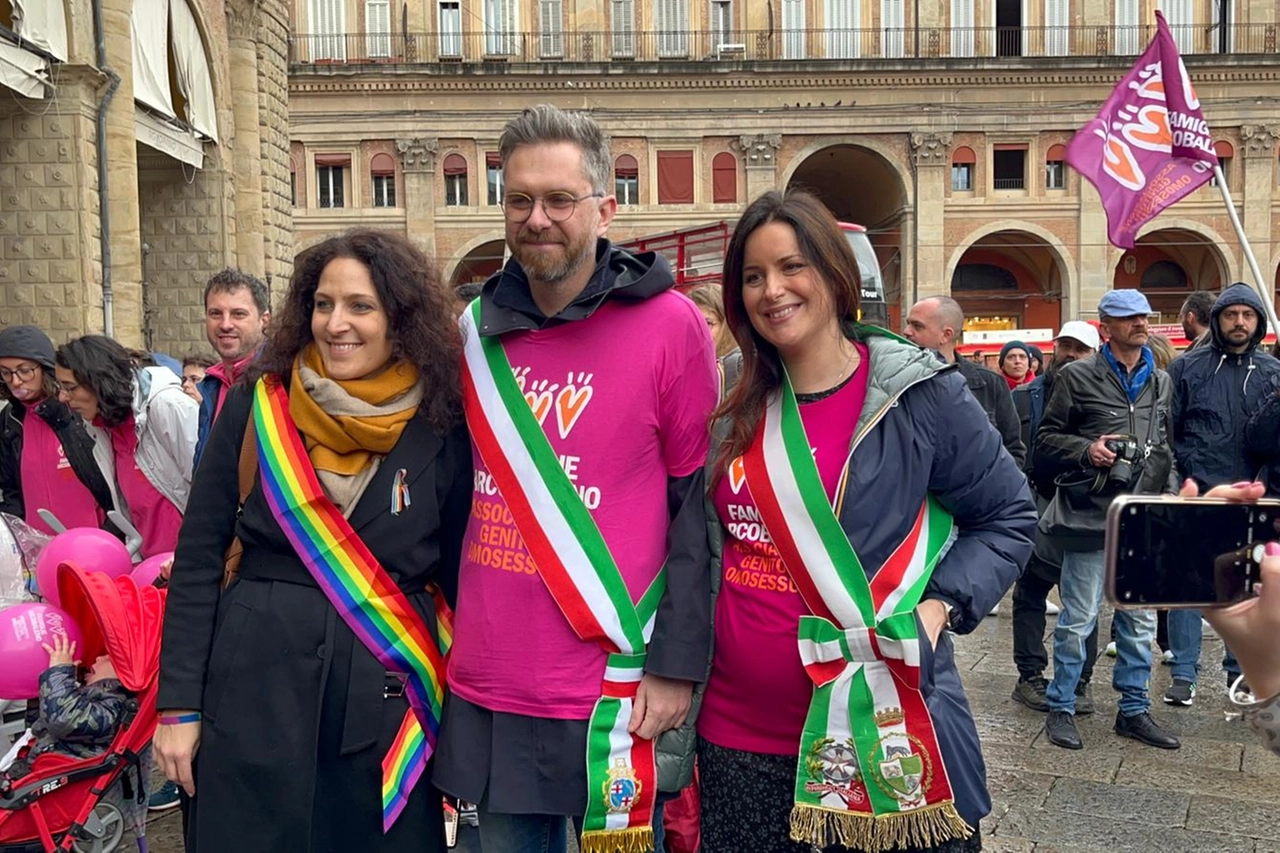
<point x="1105" y="432"/>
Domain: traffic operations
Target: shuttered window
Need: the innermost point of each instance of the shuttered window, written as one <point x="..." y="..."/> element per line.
<point x="328" y="24"/>
<point x="724" y="178"/>
<point x="962" y="27"/>
<point x="841" y="22"/>
<point x="550" y="29"/>
<point x="1182" y="23"/>
<point x="626" y="179"/>
<point x="501" y="36"/>
<point x="893" y="23"/>
<point x="622" y="22"/>
<point x="671" y="20"/>
<point x="675" y="177"/>
<point x="793" y="35"/>
<point x="1128" y="31"/>
<point x="377" y="27"/>
<point x="720" y="18"/>
<point x="1057" y="19"/>
<point x="450" y="28"/>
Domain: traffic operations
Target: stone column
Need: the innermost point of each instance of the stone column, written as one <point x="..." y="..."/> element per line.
<point x="122" y="205"/>
<point x="931" y="153"/>
<point x="246" y="144"/>
<point x="1096" y="274"/>
<point x="760" y="156"/>
<point x="1259" y="144"/>
<point x="418" y="163"/>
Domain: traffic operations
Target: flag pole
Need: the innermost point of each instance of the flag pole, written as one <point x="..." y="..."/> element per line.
<point x="1268" y="304"/>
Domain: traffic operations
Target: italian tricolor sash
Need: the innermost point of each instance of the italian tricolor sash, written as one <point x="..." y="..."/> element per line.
<point x="870" y="773"/>
<point x="574" y="562"/>
<point x="364" y="594"/>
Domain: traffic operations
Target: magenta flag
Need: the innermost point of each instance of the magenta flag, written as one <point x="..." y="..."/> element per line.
<point x="1149" y="145"/>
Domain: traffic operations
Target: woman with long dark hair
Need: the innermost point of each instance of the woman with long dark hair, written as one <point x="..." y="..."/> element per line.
<point x="866" y="506"/>
<point x="141" y="421"/>
<point x="311" y="685"/>
<point x="46" y="457"/>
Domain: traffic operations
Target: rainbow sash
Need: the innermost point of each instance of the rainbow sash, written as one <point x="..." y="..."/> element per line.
<point x="365" y="596"/>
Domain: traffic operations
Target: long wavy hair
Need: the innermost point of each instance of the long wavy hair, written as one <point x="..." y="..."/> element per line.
<point x="419" y="315"/>
<point x="825" y="247"/>
<point x="104" y="367"/>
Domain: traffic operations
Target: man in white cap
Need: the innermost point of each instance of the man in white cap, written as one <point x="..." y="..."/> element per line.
<point x="1105" y="408"/>
<point x="1077" y="340"/>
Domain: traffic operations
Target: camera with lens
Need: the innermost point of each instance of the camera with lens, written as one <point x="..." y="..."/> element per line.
<point x="1124" y="471"/>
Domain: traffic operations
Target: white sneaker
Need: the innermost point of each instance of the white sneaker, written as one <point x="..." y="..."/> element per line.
<point x="1111" y="649"/>
<point x="1050" y="608"/>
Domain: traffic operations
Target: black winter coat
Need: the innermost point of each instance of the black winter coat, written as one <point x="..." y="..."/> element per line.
<point x="1088" y="401"/>
<point x="295" y="720"/>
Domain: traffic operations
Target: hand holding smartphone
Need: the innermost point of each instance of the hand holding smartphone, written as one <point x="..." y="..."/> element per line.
<point x="1185" y="553"/>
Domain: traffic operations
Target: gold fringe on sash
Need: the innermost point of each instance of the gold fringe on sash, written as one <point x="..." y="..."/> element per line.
<point x="635" y="839"/>
<point x="924" y="827"/>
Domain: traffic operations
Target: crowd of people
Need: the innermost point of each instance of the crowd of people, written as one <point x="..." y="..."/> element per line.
<point x="547" y="544"/>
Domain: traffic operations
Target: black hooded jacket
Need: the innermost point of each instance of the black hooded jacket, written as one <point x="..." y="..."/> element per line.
<point x="1215" y="392"/>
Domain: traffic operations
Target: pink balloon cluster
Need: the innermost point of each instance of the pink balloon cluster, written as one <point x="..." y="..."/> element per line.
<point x="87" y="547"/>
<point x="24" y="631"/>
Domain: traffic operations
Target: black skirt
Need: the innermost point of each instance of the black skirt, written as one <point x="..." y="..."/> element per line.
<point x="746" y="805"/>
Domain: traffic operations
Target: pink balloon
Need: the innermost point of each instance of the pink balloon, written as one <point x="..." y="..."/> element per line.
<point x="24" y="630"/>
<point x="146" y="572"/>
<point x="87" y="547"/>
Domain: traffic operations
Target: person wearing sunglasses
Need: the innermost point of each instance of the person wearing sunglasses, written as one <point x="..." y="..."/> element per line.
<point x="46" y="456"/>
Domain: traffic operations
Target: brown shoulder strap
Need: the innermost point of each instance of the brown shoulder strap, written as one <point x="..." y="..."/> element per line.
<point x="248" y="467"/>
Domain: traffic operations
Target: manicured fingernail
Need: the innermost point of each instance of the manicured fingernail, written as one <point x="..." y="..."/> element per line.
<point x="1243" y="484"/>
<point x="1272" y="549"/>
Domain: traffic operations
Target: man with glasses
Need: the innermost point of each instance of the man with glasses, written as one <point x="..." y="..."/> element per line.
<point x="1105" y="432"/>
<point x="618" y="371"/>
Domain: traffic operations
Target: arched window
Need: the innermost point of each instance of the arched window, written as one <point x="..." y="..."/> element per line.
<point x="626" y="179"/>
<point x="1164" y="275"/>
<point x="455" y="181"/>
<point x="1055" y="168"/>
<point x="1225" y="152"/>
<point x="962" y="161"/>
<point x="383" y="171"/>
<point x="724" y="178"/>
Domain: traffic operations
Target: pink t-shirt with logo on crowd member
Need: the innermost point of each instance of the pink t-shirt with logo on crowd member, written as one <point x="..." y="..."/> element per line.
<point x="758" y="693"/>
<point x="48" y="481"/>
<point x="623" y="397"/>
<point x="154" y="515"/>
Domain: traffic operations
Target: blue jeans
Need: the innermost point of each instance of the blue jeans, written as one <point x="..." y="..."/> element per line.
<point x="1081" y="592"/>
<point x="1185" y="635"/>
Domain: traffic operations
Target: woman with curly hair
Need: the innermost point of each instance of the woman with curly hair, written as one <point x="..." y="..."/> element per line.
<point x="141" y="421"/>
<point x="710" y="301"/>
<point x="310" y="684"/>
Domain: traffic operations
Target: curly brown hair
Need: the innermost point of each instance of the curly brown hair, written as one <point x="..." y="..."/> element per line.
<point x="824" y="246"/>
<point x="419" y="315"/>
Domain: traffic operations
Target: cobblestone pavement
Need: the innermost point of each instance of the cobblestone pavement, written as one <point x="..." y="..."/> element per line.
<point x="1219" y="793"/>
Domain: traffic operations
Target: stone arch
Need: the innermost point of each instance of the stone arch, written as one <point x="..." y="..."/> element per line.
<point x="1231" y="263"/>
<point x="1066" y="265"/>
<point x="891" y="157"/>
<point x="1190" y="246"/>
<point x="466" y="252"/>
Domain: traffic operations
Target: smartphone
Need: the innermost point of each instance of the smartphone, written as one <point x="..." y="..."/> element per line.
<point x="1168" y="552"/>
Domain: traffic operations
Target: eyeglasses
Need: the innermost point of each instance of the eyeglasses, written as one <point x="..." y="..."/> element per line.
<point x="23" y="373"/>
<point x="68" y="388"/>
<point x="558" y="206"/>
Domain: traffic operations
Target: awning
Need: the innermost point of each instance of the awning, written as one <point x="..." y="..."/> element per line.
<point x="192" y="67"/>
<point x="151" y="55"/>
<point x="43" y="23"/>
<point x="177" y="142"/>
<point x="24" y="72"/>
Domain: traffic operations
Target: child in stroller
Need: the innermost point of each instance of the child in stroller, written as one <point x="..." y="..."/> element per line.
<point x="79" y="720"/>
<point x="77" y="796"/>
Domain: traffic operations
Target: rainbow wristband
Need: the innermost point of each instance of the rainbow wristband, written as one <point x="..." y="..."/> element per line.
<point x="179" y="719"/>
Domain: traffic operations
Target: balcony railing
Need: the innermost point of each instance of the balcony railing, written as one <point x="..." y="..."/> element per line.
<point x="763" y="46"/>
<point x="1009" y="183"/>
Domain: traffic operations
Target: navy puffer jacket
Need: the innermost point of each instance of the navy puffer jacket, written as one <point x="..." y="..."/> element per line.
<point x="1215" y="392"/>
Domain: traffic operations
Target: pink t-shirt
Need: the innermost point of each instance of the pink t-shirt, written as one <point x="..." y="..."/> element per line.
<point x="48" y="481"/>
<point x="758" y="693"/>
<point x="155" y="516"/>
<point x="623" y="397"/>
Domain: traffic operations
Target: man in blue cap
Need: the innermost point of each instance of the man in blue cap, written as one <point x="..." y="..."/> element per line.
<point x="1105" y="432"/>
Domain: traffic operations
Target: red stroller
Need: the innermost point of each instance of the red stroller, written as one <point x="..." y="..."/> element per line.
<point x="61" y="804"/>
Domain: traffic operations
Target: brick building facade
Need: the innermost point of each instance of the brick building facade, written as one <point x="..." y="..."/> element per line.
<point x="939" y="125"/>
<point x="191" y="100"/>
